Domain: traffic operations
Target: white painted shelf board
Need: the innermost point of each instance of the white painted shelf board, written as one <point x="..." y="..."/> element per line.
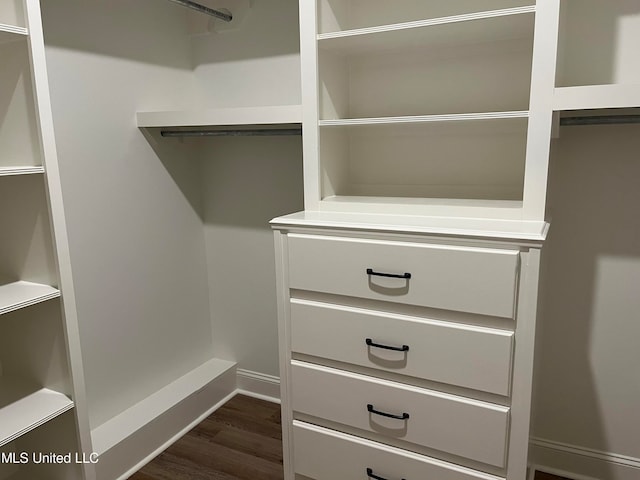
<point x="11" y="33"/>
<point x="468" y="227"/>
<point x="17" y="295"/>
<point x="271" y="115"/>
<point x="23" y="409"/>
<point x="456" y="117"/>
<point x="121" y="426"/>
<point x="8" y="171"/>
<point x="596" y="96"/>
<point x="487" y="26"/>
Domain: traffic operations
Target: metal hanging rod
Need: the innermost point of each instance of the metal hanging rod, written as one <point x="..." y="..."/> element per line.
<point x="600" y="120"/>
<point x="258" y="132"/>
<point x="227" y="17"/>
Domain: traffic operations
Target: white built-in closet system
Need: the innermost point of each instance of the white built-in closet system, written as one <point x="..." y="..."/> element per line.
<point x="427" y="112"/>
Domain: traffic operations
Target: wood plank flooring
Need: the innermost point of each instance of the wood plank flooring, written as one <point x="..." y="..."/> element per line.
<point x="240" y="441"/>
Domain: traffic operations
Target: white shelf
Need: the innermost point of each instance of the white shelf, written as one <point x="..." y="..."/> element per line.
<point x="270" y="115"/>
<point x="17" y="295"/>
<point x="488" y="26"/>
<point x="11" y="33"/>
<point x="596" y="97"/>
<point x="8" y="171"/>
<point x="23" y="409"/>
<point x="458" y="117"/>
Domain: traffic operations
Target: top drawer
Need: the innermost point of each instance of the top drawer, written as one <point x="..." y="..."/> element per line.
<point x="467" y="279"/>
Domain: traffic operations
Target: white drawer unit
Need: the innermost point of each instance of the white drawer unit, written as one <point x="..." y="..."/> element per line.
<point x="467" y="279"/>
<point x="401" y="378"/>
<point x="324" y="454"/>
<point x="452" y="424"/>
<point x="424" y="348"/>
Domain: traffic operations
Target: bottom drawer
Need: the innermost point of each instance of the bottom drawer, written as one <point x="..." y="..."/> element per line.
<point x="323" y="454"/>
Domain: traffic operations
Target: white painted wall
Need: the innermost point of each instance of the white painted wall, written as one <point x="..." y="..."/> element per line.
<point x="588" y="386"/>
<point x="133" y="207"/>
<point x="247" y="182"/>
<point x="254" y="65"/>
<point x="157" y="295"/>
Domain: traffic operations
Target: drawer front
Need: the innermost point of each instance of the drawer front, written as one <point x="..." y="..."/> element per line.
<point x="472" y="357"/>
<point x="456" y="425"/>
<point x="474" y="280"/>
<point x="323" y="454"/>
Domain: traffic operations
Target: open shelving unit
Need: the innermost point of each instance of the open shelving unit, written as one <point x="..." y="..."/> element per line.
<point x="37" y="387"/>
<point x="385" y="144"/>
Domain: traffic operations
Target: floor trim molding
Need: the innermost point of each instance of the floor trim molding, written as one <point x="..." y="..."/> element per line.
<point x="258" y="385"/>
<point x="581" y="463"/>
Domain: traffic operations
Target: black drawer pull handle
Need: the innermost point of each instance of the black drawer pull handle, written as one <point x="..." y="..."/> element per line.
<point x="370" y="409"/>
<point x="403" y="348"/>
<point x="370" y="271"/>
<point x="370" y="474"/>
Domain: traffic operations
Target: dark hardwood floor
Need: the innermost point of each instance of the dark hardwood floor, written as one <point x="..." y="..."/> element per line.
<point x="240" y="441"/>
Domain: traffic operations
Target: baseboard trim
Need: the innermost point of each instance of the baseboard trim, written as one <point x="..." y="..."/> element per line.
<point x="581" y="463"/>
<point x="259" y="385"/>
<point x="177" y="437"/>
<point x="133" y="438"/>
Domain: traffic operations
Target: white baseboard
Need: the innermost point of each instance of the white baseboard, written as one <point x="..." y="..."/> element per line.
<point x="174" y="411"/>
<point x="581" y="463"/>
<point x="259" y="385"/>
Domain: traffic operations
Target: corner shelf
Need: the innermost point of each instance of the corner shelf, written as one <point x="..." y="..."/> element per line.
<point x="221" y="117"/>
<point x="17" y="295"/>
<point x="475" y="27"/>
<point x="30" y="170"/>
<point x="12" y="33"/>
<point x="23" y="409"/>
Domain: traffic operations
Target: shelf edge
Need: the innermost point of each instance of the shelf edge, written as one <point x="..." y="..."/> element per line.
<point x="462" y="117"/>
<point x="53" y="293"/>
<point x="269" y="115"/>
<point x="590" y="97"/>
<point x="66" y="406"/>
<point x="427" y="23"/>
<point x="11" y="171"/>
<point x="14" y="29"/>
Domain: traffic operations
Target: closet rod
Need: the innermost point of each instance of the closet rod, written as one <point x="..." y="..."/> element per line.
<point x="227" y="17"/>
<point x="600" y="120"/>
<point x="261" y="132"/>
